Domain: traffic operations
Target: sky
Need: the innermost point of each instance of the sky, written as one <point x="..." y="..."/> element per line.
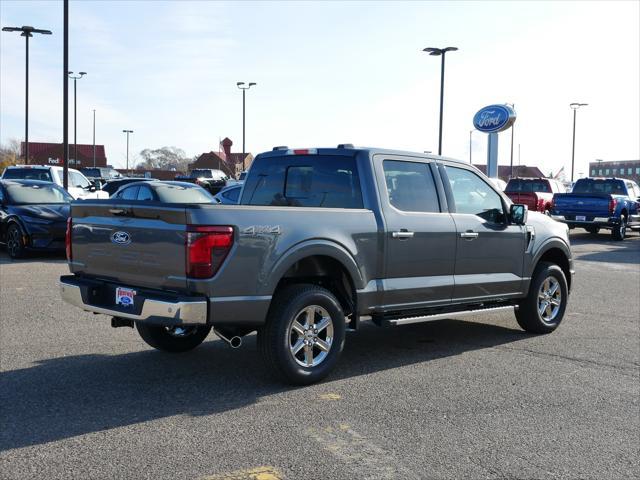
<point x="330" y="73"/>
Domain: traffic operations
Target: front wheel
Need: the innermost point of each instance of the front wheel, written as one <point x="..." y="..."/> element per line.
<point x="173" y="339"/>
<point x="304" y="334"/>
<point x="15" y="241"/>
<point x="543" y="308"/>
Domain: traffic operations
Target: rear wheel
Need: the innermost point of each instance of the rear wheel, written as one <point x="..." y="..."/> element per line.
<point x="173" y="339"/>
<point x="304" y="334"/>
<point x="543" y="308"/>
<point x="15" y="241"/>
<point x="620" y="231"/>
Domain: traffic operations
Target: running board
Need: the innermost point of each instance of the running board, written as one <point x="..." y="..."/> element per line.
<point x="440" y="316"/>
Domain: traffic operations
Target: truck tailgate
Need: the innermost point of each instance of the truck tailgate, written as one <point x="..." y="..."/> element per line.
<point x="132" y="244"/>
<point x="586" y="204"/>
<point x="530" y="199"/>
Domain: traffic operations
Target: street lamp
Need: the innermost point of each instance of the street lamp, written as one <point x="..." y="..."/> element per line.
<point x="574" y="107"/>
<point x="244" y="87"/>
<point x="436" y="52"/>
<point x="127" y="132"/>
<point x="75" y="112"/>
<point x="26" y="33"/>
<point x="470" y="145"/>
<point x="94" y="138"/>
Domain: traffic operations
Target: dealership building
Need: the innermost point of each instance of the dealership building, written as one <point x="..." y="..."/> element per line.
<point x="616" y="168"/>
<point x="41" y="153"/>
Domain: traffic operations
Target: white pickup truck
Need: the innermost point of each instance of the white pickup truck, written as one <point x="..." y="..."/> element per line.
<point x="79" y="187"/>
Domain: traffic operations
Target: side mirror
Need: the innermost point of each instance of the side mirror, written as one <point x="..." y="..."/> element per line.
<point x="92" y="188"/>
<point x="518" y="214"/>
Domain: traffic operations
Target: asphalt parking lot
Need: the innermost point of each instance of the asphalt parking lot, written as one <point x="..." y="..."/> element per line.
<point x="447" y="399"/>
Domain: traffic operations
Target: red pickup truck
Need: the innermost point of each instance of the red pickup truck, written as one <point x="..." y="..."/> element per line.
<point x="535" y="193"/>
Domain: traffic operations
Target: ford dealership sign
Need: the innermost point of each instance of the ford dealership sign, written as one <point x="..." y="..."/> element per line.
<point x="494" y="118"/>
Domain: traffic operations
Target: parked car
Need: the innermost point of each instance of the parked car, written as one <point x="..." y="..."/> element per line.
<point x="322" y="239"/>
<point x="209" y="178"/>
<point x="100" y="175"/>
<point x="535" y="193"/>
<point x="595" y="203"/>
<point x="112" y="186"/>
<point x="78" y="186"/>
<point x="165" y="192"/>
<point x="33" y="216"/>
<point x="229" y="195"/>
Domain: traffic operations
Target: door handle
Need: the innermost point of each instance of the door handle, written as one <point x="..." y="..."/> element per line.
<point x="469" y="235"/>
<point x="118" y="211"/>
<point x="402" y="234"/>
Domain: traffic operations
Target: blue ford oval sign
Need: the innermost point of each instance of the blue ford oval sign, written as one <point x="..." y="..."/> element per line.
<point x="494" y="118"/>
<point x="121" y="238"/>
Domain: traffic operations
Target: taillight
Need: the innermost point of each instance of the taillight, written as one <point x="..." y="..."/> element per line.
<point x="206" y="249"/>
<point x="612" y="205"/>
<point x="67" y="239"/>
<point x="303" y="151"/>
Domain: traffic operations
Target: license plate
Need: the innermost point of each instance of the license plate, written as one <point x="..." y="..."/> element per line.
<point x="580" y="218"/>
<point x="124" y="296"/>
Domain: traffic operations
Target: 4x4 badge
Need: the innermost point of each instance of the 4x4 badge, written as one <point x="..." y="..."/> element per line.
<point x="261" y="230"/>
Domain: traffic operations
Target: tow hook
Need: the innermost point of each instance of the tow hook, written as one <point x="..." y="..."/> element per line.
<point x="117" y="322"/>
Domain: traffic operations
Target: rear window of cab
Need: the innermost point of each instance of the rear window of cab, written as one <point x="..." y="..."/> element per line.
<point x="304" y="181"/>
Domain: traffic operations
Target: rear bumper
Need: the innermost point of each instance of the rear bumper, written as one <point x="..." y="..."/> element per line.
<point x="590" y="221"/>
<point x="160" y="309"/>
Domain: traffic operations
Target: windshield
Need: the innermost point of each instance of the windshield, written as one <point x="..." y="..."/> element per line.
<point x="27" y="174"/>
<point x="182" y="194"/>
<point x="91" y="172"/>
<point x="24" y="193"/>
<point x="588" y="185"/>
<point x="520" y="185"/>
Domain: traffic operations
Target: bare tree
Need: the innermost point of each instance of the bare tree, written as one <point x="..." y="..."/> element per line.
<point x="165" y="158"/>
<point x="9" y="153"/>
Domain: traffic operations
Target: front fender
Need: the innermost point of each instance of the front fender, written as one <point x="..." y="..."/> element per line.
<point x="309" y="248"/>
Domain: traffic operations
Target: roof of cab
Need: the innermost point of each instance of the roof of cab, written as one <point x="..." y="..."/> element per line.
<point x="348" y="149"/>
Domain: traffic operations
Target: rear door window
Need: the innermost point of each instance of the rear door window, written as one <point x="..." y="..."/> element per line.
<point x="145" y="193"/>
<point x="130" y="193"/>
<point x="410" y="186"/>
<point x="232" y="194"/>
<point x="304" y="181"/>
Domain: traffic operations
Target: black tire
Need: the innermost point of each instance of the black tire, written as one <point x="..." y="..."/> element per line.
<point x="593" y="230"/>
<point x="620" y="231"/>
<point x="15" y="241"/>
<point x="277" y="337"/>
<point x="173" y="339"/>
<point x="528" y="314"/>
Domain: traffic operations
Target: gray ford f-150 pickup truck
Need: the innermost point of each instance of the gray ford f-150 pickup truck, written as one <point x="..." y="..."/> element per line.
<point x="321" y="240"/>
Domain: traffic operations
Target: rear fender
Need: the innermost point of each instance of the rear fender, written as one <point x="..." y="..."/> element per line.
<point x="308" y="249"/>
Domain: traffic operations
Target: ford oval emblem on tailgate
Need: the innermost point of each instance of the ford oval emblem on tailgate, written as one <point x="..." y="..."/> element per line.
<point x="121" y="238"/>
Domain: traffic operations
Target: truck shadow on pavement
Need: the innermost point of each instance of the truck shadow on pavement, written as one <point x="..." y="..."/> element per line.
<point x="75" y="395"/>
<point x="624" y="252"/>
<point x="32" y="257"/>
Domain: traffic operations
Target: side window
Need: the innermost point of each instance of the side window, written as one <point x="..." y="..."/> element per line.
<point x="130" y="193"/>
<point x="474" y="196"/>
<point x="145" y="193"/>
<point x="232" y="194"/>
<point x="77" y="180"/>
<point x="410" y="186"/>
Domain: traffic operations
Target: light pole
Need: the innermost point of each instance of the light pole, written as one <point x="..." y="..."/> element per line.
<point x="94" y="138"/>
<point x="574" y="107"/>
<point x="513" y="126"/>
<point x="27" y="32"/>
<point x="241" y="86"/>
<point x="75" y="113"/>
<point x="127" y="132"/>
<point x="440" y="52"/>
<point x="470" y="145"/>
